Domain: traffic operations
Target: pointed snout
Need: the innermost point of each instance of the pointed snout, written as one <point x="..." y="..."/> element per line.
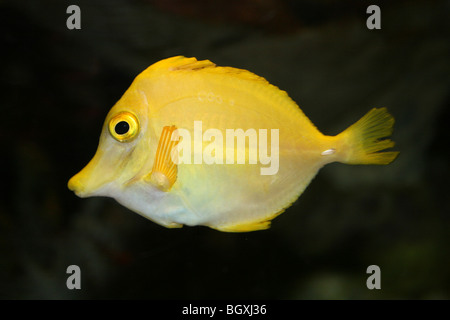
<point x="91" y="179"/>
<point x="75" y="184"/>
<point x="108" y="169"/>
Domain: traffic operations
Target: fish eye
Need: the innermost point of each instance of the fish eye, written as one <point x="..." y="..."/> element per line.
<point x="124" y="126"/>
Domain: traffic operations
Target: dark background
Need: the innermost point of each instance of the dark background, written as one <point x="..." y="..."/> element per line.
<point x="57" y="86"/>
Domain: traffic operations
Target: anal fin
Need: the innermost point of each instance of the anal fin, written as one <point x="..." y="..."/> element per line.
<point x="245" y="227"/>
<point x="249" y="226"/>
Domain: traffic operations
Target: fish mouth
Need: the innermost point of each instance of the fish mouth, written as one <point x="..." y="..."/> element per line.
<point x="100" y="175"/>
<point x="77" y="186"/>
<point x="89" y="182"/>
<point x="85" y="188"/>
<point x="90" y="179"/>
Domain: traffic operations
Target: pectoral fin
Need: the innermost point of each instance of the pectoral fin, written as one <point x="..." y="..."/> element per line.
<point x="164" y="171"/>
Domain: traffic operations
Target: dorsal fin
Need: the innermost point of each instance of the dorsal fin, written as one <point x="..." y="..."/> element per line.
<point x="184" y="63"/>
<point x="180" y="63"/>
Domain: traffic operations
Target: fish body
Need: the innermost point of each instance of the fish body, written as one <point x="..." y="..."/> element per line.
<point x="181" y="108"/>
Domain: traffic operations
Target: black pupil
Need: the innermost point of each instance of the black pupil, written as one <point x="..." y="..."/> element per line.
<point x="122" y="127"/>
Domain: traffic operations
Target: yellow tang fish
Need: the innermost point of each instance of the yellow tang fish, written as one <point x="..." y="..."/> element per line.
<point x="196" y="144"/>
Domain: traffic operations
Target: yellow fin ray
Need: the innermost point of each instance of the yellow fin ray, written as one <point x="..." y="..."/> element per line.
<point x="164" y="171"/>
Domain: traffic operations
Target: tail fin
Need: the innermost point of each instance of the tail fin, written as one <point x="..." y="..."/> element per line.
<point x="364" y="139"/>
